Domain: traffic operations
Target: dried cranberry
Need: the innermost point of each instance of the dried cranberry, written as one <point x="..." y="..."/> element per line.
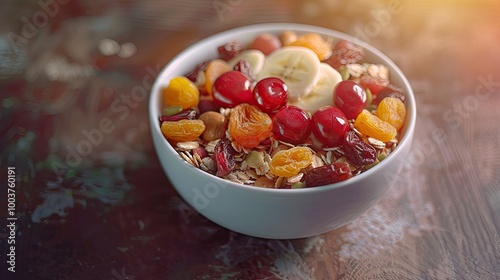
<point x="345" y="52"/>
<point x="244" y="67"/>
<point x="184" y="115"/>
<point x="230" y="49"/>
<point x="327" y="174"/>
<point x="193" y="75"/>
<point x="224" y="157"/>
<point x="357" y="151"/>
<point x="391" y="91"/>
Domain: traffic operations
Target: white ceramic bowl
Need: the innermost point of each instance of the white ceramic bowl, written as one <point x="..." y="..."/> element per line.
<point x="276" y="213"/>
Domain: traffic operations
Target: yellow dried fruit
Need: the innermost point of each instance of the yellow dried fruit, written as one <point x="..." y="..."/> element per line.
<point x="371" y="125"/>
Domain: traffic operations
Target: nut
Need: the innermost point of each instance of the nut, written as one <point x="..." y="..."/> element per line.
<point x="215" y="125"/>
<point x="288" y="37"/>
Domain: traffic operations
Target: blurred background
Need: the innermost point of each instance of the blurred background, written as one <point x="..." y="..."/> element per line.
<point x="111" y="214"/>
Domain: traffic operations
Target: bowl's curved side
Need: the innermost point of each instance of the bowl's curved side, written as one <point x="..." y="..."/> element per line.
<point x="270" y="213"/>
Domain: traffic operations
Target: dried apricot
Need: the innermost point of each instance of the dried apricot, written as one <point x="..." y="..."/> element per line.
<point x="183" y="130"/>
<point x="248" y="125"/>
<point x="215" y="68"/>
<point x="393" y="111"/>
<point x="371" y="125"/>
<point x="181" y="92"/>
<point x="316" y="43"/>
<point x="287" y="163"/>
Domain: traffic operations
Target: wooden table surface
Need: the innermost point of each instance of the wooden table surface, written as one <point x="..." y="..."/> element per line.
<point x="112" y="214"/>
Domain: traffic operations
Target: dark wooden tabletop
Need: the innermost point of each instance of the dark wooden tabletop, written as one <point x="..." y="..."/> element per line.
<point x="110" y="212"/>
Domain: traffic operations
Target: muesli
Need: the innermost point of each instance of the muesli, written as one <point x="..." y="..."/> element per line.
<point x="285" y="111"/>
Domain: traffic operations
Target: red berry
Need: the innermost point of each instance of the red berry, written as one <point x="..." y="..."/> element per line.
<point x="270" y="94"/>
<point x="345" y="52"/>
<point x="391" y="91"/>
<point x="232" y="88"/>
<point x="292" y="125"/>
<point x="350" y="98"/>
<point x="224" y="157"/>
<point x="357" y="151"/>
<point x="329" y="125"/>
<point x="327" y="174"/>
<point x="230" y="50"/>
<point x="375" y="85"/>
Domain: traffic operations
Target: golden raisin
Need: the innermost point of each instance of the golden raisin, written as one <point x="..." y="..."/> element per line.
<point x="393" y="111"/>
<point x="248" y="125"/>
<point x="181" y="92"/>
<point x="316" y="43"/>
<point x="183" y="130"/>
<point x="287" y="163"/>
<point x="371" y="125"/>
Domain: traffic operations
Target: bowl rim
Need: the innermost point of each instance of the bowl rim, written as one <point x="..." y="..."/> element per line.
<point x="275" y="27"/>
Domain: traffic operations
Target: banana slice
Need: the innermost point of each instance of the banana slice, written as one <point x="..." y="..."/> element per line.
<point x="255" y="57"/>
<point x="297" y="66"/>
<point x="322" y="93"/>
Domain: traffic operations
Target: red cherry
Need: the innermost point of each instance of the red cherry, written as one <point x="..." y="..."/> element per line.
<point x="292" y="125"/>
<point x="375" y="85"/>
<point x="350" y="98"/>
<point x="329" y="125"/>
<point x="270" y="94"/>
<point x="232" y="88"/>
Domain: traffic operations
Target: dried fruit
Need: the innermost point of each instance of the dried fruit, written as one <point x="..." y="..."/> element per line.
<point x="248" y="125"/>
<point x="371" y="125"/>
<point x="391" y="91"/>
<point x="316" y="43"/>
<point x="181" y="92"/>
<point x="245" y="67"/>
<point x="224" y="157"/>
<point x="345" y="52"/>
<point x="230" y="50"/>
<point x="393" y="111"/>
<point x="183" y="130"/>
<point x="184" y="115"/>
<point x="193" y="75"/>
<point x="327" y="174"/>
<point x="290" y="162"/>
<point x="357" y="151"/>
